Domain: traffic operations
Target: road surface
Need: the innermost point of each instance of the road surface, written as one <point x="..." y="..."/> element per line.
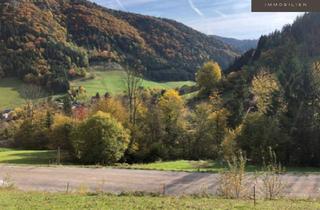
<point x="62" y="179"/>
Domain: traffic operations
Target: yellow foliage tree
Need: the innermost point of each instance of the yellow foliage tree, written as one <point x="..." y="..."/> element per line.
<point x="171" y="113"/>
<point x="114" y="107"/>
<point x="61" y="132"/>
<point x="171" y="104"/>
<point x="263" y="86"/>
<point x="60" y="119"/>
<point x="208" y="76"/>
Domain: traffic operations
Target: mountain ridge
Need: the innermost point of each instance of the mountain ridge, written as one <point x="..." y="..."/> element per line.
<point x="240" y="45"/>
<point x="299" y="40"/>
<point x="52" y="41"/>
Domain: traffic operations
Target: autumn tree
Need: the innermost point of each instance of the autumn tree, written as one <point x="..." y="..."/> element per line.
<point x="149" y="130"/>
<point x="263" y="86"/>
<point x="208" y="76"/>
<point x="33" y="132"/>
<point x="32" y="94"/>
<point x="48" y="120"/>
<point x="114" y="107"/>
<point x="60" y="136"/>
<point x="67" y="105"/>
<point x="259" y="132"/>
<point x="133" y="81"/>
<point x="209" y="123"/>
<point x="171" y="111"/>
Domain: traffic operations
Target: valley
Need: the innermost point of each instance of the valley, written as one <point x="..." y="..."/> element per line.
<point x="97" y="100"/>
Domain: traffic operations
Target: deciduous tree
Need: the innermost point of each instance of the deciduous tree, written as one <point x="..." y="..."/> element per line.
<point x="208" y="76"/>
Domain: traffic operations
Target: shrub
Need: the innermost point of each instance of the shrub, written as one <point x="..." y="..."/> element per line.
<point x="272" y="183"/>
<point x="101" y="139"/>
<point x="8" y="129"/>
<point x="260" y="132"/>
<point x="229" y="143"/>
<point x="31" y="135"/>
<point x="33" y="132"/>
<point x="157" y="152"/>
<point x="232" y="182"/>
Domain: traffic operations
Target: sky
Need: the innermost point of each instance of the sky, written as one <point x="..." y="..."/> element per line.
<point x="228" y="18"/>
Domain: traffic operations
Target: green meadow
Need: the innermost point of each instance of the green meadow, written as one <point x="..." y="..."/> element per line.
<point x="45" y="157"/>
<point x="114" y="83"/>
<point x="13" y="199"/>
<point x="103" y="81"/>
<point x="9" y="93"/>
<point x="13" y="156"/>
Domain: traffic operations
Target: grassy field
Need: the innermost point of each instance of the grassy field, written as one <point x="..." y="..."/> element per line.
<point x="114" y="83"/>
<point x="179" y="165"/>
<point x="11" y="156"/>
<point x="12" y="199"/>
<point x="185" y="165"/>
<point x="111" y="81"/>
<point x="203" y="166"/>
<point x="45" y="157"/>
<point x="9" y="93"/>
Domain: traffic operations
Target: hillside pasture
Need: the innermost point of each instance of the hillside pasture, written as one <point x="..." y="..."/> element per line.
<point x="114" y="83"/>
<point x="10" y="93"/>
<point x="103" y="81"/>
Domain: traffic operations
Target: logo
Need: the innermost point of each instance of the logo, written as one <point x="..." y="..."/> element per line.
<point x="285" y="5"/>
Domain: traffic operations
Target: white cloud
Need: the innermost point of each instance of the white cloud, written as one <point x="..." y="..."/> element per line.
<point x="130" y="3"/>
<point x="232" y="18"/>
<point x="221" y="14"/>
<point x="194" y="8"/>
<point x="239" y="5"/>
<point x="244" y="25"/>
<point x="121" y="6"/>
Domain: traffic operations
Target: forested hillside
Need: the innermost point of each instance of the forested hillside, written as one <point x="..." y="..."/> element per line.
<point x="275" y="90"/>
<point x="52" y="41"/>
<point x="300" y="40"/>
<point x="240" y="45"/>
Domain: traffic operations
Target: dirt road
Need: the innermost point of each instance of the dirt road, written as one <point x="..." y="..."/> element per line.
<point x="61" y="179"/>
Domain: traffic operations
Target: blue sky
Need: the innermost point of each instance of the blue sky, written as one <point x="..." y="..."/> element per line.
<point x="229" y="18"/>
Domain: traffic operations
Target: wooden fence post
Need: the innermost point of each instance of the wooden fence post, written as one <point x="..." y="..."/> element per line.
<point x="58" y="156"/>
<point x="163" y="189"/>
<point x="67" y="190"/>
<point x="254" y="195"/>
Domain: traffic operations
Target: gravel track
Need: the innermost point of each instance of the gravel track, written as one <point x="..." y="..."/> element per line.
<point x="62" y="179"/>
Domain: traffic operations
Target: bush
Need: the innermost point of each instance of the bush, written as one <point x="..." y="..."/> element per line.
<point x="8" y="129"/>
<point x="31" y="135"/>
<point x="229" y="143"/>
<point x="260" y="132"/>
<point x="273" y="184"/>
<point x="232" y="183"/>
<point x="101" y="139"/>
<point x="157" y="152"/>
